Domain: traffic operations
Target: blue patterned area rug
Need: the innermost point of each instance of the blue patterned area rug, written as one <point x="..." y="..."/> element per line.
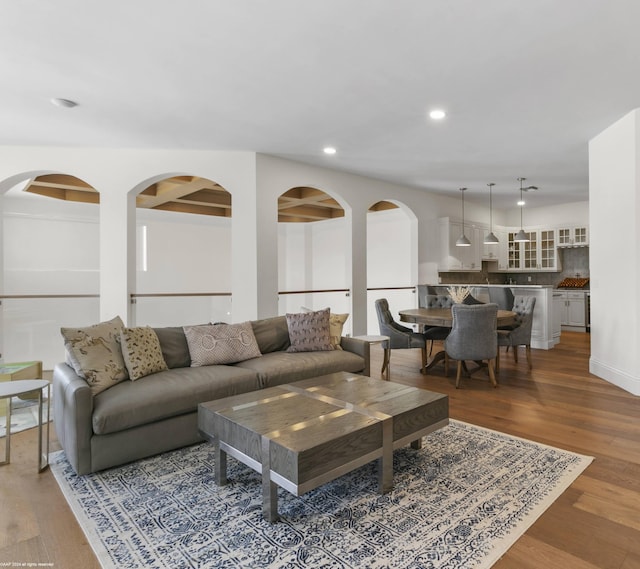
<point x="459" y="502"/>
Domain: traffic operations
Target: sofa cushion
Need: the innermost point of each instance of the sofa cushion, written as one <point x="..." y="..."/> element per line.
<point x="173" y="343"/>
<point x="141" y="351"/>
<point x="95" y="353"/>
<point x="221" y="344"/>
<point x="309" y="331"/>
<point x="272" y="334"/>
<point x="276" y="368"/>
<point x="166" y="394"/>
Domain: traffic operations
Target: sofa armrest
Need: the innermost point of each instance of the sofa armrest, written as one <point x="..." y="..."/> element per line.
<point x="72" y="415"/>
<point x="359" y="347"/>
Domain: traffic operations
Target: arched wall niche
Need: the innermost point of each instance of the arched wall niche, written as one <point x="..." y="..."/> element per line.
<point x="392" y="258"/>
<point x="314" y="251"/>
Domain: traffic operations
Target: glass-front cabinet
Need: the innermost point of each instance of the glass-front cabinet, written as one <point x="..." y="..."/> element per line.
<point x="573" y="236"/>
<point x="537" y="254"/>
<point x="548" y="256"/>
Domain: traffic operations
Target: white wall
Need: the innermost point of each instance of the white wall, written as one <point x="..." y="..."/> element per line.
<point x="571" y="214"/>
<point x="256" y="272"/>
<point x="614" y="223"/>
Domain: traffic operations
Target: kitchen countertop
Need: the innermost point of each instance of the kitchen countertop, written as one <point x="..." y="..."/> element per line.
<point x="496" y="285"/>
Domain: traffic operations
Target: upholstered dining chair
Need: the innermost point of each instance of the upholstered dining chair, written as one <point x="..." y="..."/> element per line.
<point x="473" y="336"/>
<point x="436" y="333"/>
<point x="519" y="333"/>
<point x="400" y="337"/>
<point x="502" y="296"/>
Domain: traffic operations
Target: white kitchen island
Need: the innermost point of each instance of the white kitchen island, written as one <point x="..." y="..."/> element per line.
<point x="545" y="332"/>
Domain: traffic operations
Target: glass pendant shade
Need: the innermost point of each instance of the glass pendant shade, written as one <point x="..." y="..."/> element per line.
<point x="491" y="239"/>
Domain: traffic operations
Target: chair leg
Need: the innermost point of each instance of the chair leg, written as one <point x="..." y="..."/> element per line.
<point x="386" y="364"/>
<point x="498" y="360"/>
<point x="515" y="354"/>
<point x="458" y="373"/>
<point x="446" y="364"/>
<point x="528" y="348"/>
<point x="492" y="376"/>
<point x="423" y="369"/>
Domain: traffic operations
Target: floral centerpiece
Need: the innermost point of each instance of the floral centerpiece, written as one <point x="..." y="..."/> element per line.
<point x="459" y="293"/>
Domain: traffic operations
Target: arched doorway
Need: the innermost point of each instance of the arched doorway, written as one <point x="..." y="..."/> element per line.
<point x="312" y="258"/>
<point x="50" y="263"/>
<point x="183" y="252"/>
<point x="392" y="258"/>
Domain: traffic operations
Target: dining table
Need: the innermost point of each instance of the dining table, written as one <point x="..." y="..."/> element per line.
<point x="443" y="317"/>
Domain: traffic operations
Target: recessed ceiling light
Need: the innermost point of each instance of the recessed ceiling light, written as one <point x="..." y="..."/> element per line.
<point x="521" y="202"/>
<point x="329" y="150"/>
<point x="437" y="114"/>
<point x="67" y="103"/>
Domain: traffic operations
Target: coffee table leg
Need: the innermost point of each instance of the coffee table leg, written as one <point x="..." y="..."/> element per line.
<point x="385" y="463"/>
<point x="417" y="443"/>
<point x="269" y="488"/>
<point x="7" y="440"/>
<point x="43" y="457"/>
<point x="221" y="463"/>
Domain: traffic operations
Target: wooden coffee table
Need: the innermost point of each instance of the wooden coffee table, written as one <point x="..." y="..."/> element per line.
<point x="302" y="435"/>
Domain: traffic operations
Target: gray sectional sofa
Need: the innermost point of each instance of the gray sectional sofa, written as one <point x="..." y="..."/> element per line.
<point x="157" y="413"/>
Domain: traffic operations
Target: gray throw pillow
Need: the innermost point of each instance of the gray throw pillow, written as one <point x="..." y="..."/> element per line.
<point x="309" y="331"/>
<point x="173" y="343"/>
<point x="272" y="334"/>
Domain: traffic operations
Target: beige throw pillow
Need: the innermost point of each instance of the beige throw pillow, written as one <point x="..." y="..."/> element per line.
<point x="141" y="352"/>
<point x="336" y="323"/>
<point x="309" y="331"/>
<point x="95" y="353"/>
<point x="221" y="344"/>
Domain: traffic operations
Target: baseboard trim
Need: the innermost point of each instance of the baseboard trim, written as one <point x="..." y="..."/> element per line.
<point x="615" y="376"/>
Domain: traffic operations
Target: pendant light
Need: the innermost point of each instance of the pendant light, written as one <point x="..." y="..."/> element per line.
<point x="462" y="240"/>
<point x="521" y="236"/>
<point x="490" y="238"/>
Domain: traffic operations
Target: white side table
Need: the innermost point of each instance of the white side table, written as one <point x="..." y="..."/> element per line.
<point x="386" y="360"/>
<point x="11" y="389"/>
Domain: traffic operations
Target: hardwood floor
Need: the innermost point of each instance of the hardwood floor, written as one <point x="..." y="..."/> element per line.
<point x="594" y="524"/>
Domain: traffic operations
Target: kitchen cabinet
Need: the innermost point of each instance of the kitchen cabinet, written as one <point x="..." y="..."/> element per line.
<point x="454" y="258"/>
<point x="573" y="236"/>
<point x="537" y="254"/>
<point x="571" y="308"/>
<point x="492" y="251"/>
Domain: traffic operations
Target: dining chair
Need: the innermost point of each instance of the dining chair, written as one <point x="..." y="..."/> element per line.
<point x="520" y="332"/>
<point x="400" y="337"/>
<point x="502" y="296"/>
<point x="436" y="333"/>
<point x="473" y="337"/>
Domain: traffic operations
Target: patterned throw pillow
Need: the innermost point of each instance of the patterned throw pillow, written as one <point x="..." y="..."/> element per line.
<point x="309" y="331"/>
<point x="141" y="352"/>
<point x="95" y="353"/>
<point x="221" y="344"/>
<point x="336" y="323"/>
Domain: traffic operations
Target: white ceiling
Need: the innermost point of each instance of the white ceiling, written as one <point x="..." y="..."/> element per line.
<point x="525" y="83"/>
